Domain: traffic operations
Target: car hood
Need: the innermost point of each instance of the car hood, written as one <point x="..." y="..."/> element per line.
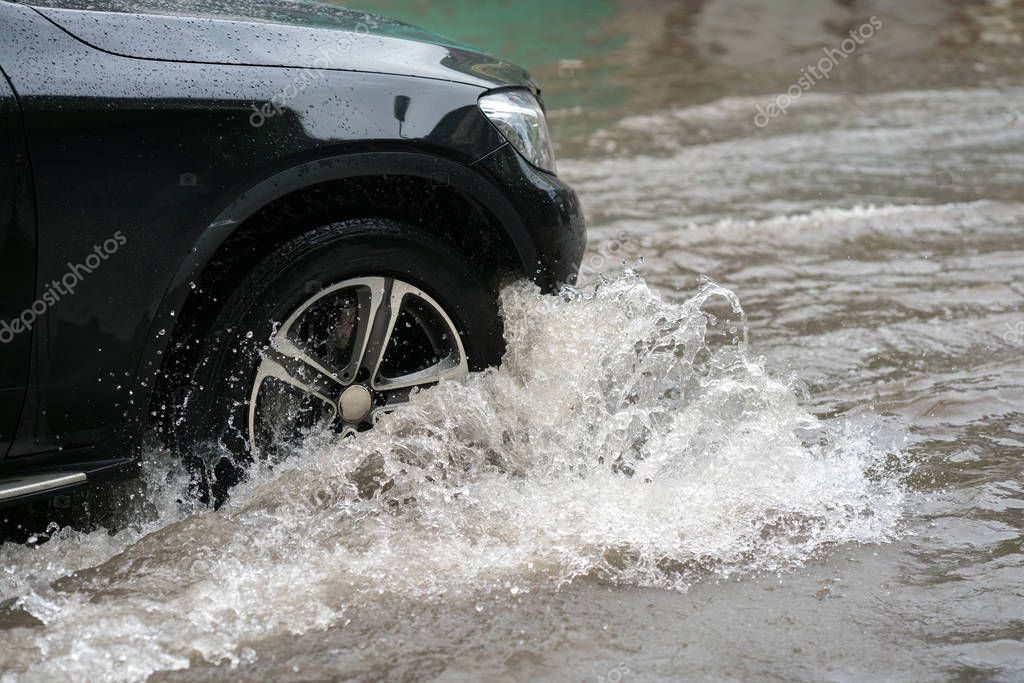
<point x="288" y="33"/>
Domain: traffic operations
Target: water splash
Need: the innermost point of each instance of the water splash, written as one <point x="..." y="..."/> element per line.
<point x="625" y="439"/>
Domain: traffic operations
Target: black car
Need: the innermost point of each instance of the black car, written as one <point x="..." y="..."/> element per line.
<point x="227" y="221"/>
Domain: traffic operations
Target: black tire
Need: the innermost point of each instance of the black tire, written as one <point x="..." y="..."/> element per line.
<point x="208" y="427"/>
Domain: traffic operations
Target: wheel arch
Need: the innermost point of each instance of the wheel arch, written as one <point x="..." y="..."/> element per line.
<point x="300" y="198"/>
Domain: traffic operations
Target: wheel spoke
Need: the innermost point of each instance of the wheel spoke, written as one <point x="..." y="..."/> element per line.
<point x="372" y="292"/>
<point x="373" y="337"/>
<point x="374" y="300"/>
<point x="448" y="368"/>
<point x="453" y="366"/>
<point x="292" y="372"/>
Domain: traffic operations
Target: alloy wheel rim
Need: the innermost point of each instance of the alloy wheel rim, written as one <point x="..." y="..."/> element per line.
<point x="349" y="354"/>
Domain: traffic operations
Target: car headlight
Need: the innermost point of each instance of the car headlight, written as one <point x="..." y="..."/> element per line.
<point x="518" y="116"/>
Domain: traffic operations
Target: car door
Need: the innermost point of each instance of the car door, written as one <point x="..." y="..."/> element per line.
<point x="17" y="264"/>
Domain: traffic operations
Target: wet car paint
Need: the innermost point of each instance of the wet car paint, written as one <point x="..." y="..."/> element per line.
<point x="17" y="263"/>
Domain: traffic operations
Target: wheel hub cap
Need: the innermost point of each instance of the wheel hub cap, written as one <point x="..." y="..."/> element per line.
<point x="355" y="403"/>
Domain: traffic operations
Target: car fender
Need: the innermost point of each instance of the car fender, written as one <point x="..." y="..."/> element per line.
<point x="417" y="164"/>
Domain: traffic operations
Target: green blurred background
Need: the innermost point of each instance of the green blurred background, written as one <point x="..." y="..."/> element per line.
<point x="600" y="61"/>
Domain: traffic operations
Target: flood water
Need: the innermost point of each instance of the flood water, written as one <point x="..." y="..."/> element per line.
<point x="777" y="433"/>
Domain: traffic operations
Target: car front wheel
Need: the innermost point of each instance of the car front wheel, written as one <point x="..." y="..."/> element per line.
<point x="331" y="331"/>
